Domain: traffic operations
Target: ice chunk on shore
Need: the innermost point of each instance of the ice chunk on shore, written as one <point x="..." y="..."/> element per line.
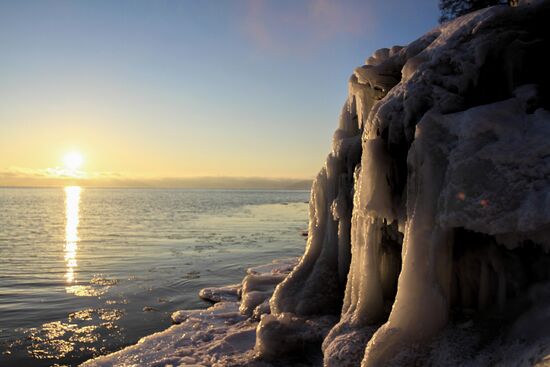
<point x="217" y="294"/>
<point x="277" y="266"/>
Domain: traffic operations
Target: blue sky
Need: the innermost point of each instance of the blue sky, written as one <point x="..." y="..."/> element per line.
<point x="186" y="88"/>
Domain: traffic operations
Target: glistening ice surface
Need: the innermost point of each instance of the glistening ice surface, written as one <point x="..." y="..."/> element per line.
<point x="86" y="271"/>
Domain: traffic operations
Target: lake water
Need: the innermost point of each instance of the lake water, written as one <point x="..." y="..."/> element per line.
<point x="87" y="271"/>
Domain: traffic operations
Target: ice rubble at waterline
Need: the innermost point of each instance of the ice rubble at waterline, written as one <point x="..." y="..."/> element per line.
<point x="429" y="232"/>
<point x="221" y="335"/>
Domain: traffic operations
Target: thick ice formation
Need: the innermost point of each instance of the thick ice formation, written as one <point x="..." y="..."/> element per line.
<point x="438" y="186"/>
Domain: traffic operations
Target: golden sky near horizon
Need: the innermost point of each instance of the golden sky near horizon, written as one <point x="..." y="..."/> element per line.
<point x="149" y="92"/>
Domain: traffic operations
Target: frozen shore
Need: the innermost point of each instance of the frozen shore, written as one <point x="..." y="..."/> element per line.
<point x="221" y="335"/>
<point x="224" y="334"/>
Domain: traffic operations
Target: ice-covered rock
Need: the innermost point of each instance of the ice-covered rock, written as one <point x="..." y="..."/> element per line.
<point x="258" y="286"/>
<point x="255" y="289"/>
<point x="433" y="207"/>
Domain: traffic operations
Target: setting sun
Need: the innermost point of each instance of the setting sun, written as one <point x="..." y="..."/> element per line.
<point x="73" y="160"/>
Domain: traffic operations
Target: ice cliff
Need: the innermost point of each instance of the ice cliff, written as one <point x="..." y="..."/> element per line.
<point x="429" y="231"/>
<point x="433" y="207"/>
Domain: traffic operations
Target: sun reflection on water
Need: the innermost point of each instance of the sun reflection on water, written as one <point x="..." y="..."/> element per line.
<point x="72" y="201"/>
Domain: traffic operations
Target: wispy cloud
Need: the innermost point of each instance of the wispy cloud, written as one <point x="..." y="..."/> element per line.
<point x="304" y="26"/>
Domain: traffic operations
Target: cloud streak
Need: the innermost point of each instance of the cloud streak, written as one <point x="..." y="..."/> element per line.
<point x="303" y="27"/>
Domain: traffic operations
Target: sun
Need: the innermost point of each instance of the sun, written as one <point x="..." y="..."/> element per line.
<point x="73" y="160"/>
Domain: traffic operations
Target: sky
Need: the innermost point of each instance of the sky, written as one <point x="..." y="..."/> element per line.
<point x="165" y="92"/>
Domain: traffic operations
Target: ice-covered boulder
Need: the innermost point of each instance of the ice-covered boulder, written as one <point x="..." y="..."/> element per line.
<point x="433" y="208"/>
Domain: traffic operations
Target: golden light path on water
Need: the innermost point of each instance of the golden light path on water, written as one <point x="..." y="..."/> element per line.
<point x="98" y="285"/>
<point x="57" y="339"/>
<point x="72" y="203"/>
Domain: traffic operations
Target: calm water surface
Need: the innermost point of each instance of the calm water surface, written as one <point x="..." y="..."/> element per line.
<point x="87" y="271"/>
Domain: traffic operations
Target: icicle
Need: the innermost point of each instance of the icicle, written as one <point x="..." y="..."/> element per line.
<point x="422" y="301"/>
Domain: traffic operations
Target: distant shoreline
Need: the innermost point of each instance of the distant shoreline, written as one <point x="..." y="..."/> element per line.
<point x="194" y="183"/>
<point x="161" y="188"/>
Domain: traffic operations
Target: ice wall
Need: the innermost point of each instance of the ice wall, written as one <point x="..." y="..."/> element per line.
<point x="435" y="198"/>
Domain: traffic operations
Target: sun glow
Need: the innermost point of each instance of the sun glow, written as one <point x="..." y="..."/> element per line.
<point x="73" y="160"/>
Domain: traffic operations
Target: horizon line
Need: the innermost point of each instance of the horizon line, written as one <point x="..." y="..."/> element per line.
<point x="151" y="188"/>
<point x="198" y="182"/>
